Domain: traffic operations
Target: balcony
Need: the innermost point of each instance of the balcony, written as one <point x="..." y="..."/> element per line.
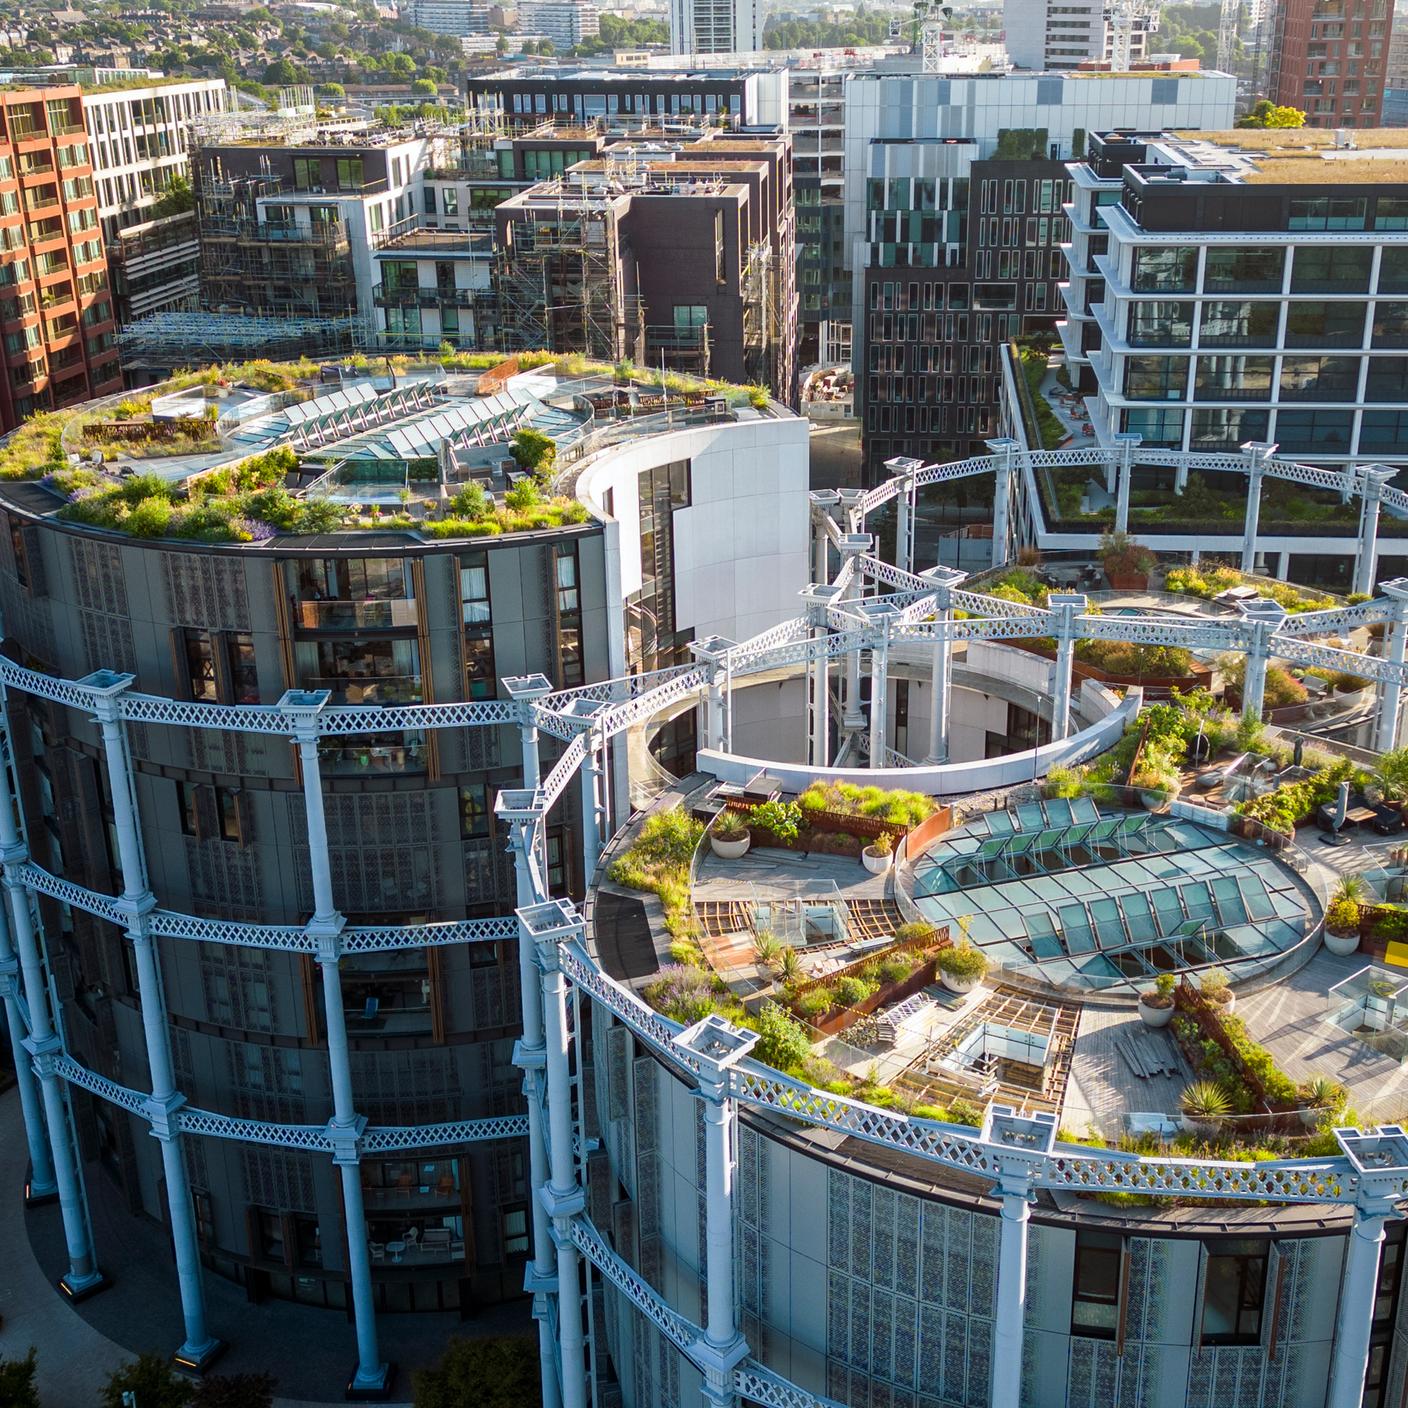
<point x="394" y="613"/>
<point x="421" y="297"/>
<point x="369" y="689"/>
<point x="360" y="757"/>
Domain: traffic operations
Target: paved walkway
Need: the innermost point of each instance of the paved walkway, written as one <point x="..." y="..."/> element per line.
<point x="310" y="1350"/>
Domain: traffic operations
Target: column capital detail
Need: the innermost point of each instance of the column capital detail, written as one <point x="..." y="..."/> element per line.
<point x="346" y="1140"/>
<point x="104" y="687"/>
<point x="548" y="926"/>
<point x="562" y="1204"/>
<point x="326" y="933"/>
<point x="1026" y="1143"/>
<point x="161" y="1114"/>
<point x="1379" y="1158"/>
<point x="718" y="1046"/>
<point x="529" y="1058"/>
<point x="301" y="707"/>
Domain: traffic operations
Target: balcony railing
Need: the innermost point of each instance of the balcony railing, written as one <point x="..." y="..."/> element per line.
<point x="361" y="758"/>
<point x="391" y="614"/>
<point x="422" y="297"/>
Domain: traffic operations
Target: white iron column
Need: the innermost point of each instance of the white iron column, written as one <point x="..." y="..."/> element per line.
<point x="1373" y="480"/>
<point x="136" y="903"/>
<point x="1262" y="618"/>
<point x="372" y="1377"/>
<point x="1390" y="691"/>
<point x="1067" y="606"/>
<point x="526" y="691"/>
<point x="1126" y="443"/>
<point x="45" y="1046"/>
<point x="1256" y="452"/>
<point x="549" y="926"/>
<point x="904" y="469"/>
<point x="40" y="1187"/>
<point x="852" y="549"/>
<point x="718" y="1046"/>
<point x="712" y="654"/>
<point x="945" y="579"/>
<point x="1023" y="1145"/>
<point x="523" y="812"/>
<point x="1380" y="1159"/>
<point x="818" y="599"/>
<point x="879" y="692"/>
<point x="590" y="777"/>
<point x="1004" y="453"/>
<point x="823" y="504"/>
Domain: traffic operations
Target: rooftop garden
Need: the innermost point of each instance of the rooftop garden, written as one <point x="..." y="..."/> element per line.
<point x="1121" y="659"/>
<point x="256" y="498"/>
<point x="1207" y="581"/>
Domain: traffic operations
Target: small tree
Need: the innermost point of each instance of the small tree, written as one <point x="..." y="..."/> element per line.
<point x="17" y="1389"/>
<point x="1269" y="114"/>
<point x="423" y="88"/>
<point x="152" y="1380"/>
<point x="499" y="1373"/>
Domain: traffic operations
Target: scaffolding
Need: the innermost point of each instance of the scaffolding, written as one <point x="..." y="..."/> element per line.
<point x="183" y="338"/>
<point x="763" y="316"/>
<point x="559" y="282"/>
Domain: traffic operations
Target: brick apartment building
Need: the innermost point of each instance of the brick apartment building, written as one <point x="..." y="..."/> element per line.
<point x="1330" y="59"/>
<point x="56" y="312"/>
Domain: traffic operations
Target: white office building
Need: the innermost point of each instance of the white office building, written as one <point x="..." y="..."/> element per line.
<point x="140" y="139"/>
<point x="458" y="17"/>
<point x="1060" y="34"/>
<point x="716" y="26"/>
<point x="565" y="22"/>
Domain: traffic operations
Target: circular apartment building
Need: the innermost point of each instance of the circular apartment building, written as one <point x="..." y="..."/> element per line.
<point x="855" y="1080"/>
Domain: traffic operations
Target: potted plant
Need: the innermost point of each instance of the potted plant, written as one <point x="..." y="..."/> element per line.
<point x="1321" y="1100"/>
<point x="1216" y="988"/>
<point x="962" y="967"/>
<point x="1156" y="779"/>
<point x="1204" y="1105"/>
<point x="1156" y="1003"/>
<point x="1342" y="917"/>
<point x="876" y="856"/>
<point x="1127" y="563"/>
<point x="730" y="839"/>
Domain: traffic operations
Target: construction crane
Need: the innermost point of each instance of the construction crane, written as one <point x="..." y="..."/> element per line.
<point x="927" y="19"/>
<point x="1227" y="23"/>
<point x="1125" y="19"/>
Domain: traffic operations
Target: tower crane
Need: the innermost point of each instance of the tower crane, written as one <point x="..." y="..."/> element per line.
<point x="927" y="18"/>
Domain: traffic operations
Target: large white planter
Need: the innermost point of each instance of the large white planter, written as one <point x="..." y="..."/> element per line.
<point x="1199" y="1129"/>
<point x="958" y="985"/>
<point x="730" y="850"/>
<point x="1341" y="945"/>
<point x="876" y="865"/>
<point x="1225" y="1009"/>
<point x="1155" y="1016"/>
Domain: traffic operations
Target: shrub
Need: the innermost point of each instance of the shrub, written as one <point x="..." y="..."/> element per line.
<point x="1121" y="555"/>
<point x="852" y="990"/>
<point x="780" y="820"/>
<point x="533" y="450"/>
<point x="1062" y="782"/>
<point x="730" y="826"/>
<point x="894" y="805"/>
<point x="490" y="1373"/>
<point x="150" y="1380"/>
<point x="658" y="862"/>
<point x="782" y="1040"/>
<point x="895" y="969"/>
<point x="17" y="1387"/>
<point x="816" y="1002"/>
<point x="962" y="962"/>
<point x="915" y="929"/>
<point x="1161" y="994"/>
<point x="470" y="502"/>
<point x="965" y="1112"/>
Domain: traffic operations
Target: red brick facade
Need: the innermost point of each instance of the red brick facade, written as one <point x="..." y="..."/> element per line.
<point x="1329" y="58"/>
<point x="57" y="332"/>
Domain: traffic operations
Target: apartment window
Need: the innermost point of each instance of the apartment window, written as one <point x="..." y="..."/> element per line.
<point x="1327" y="213"/>
<point x="242" y="669"/>
<point x="1314" y="432"/>
<point x="450" y="200"/>
<point x="1388" y="379"/>
<point x="307" y="173"/>
<point x="1095" y="1292"/>
<point x="1331" y="269"/>
<point x="210" y="813"/>
<point x="1324" y="324"/>
<point x="1385" y="1315"/>
<point x="198" y="656"/>
<point x="1234" y="1291"/>
<point x="1239" y="324"/>
<point x="513" y="1226"/>
<point x="349" y="173"/>
<point x="1390" y="325"/>
<point x="1156" y="378"/>
<point x="477" y="616"/>
<point x="1165" y="270"/>
<point x="1391" y="214"/>
<point x="1157" y="427"/>
<point x="1227" y="429"/>
<point x="569" y="615"/>
<point x="1233" y="379"/>
<point x="476" y="815"/>
<point x="1393" y="269"/>
<point x="1319" y="378"/>
<point x="361" y="670"/>
<point x="1160" y="324"/>
<point x="1244" y="270"/>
